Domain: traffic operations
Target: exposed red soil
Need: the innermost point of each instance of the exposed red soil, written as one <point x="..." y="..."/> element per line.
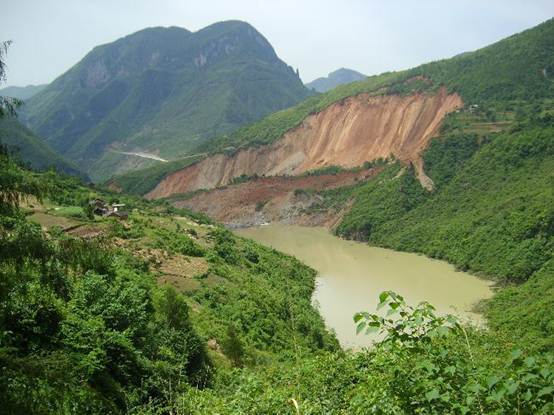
<point x="271" y="198"/>
<point x="348" y="133"/>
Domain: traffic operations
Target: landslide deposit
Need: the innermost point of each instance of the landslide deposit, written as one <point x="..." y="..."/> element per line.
<point x="348" y="133"/>
<point x="273" y="199"/>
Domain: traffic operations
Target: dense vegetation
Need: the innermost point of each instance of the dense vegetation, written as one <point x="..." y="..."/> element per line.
<point x="164" y="90"/>
<point x="518" y="67"/>
<point x="491" y="212"/>
<point x="426" y="364"/>
<point x="169" y="313"/>
<point x="34" y="151"/>
<point x="86" y="328"/>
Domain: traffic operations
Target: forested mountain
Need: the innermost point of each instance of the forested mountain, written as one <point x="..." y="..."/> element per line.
<point x="161" y="310"/>
<point x="168" y="312"/>
<point x="479" y="194"/>
<point x="22" y="92"/>
<point x="161" y="90"/>
<point x="334" y="79"/>
<point x="32" y="150"/>
<point x="513" y="69"/>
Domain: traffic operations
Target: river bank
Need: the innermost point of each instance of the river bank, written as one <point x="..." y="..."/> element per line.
<point x="351" y="275"/>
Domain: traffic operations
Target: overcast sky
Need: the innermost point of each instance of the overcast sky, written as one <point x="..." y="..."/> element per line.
<point x="315" y="36"/>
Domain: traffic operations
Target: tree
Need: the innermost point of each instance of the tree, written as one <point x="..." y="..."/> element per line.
<point x="89" y="211"/>
<point x="232" y="346"/>
<point x="7" y="104"/>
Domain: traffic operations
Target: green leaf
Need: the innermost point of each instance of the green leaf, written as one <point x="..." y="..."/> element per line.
<point x="530" y="361"/>
<point x="492" y="380"/>
<point x="432" y="395"/>
<point x="371" y="329"/>
<point x="516" y="354"/>
<point x="360" y="327"/>
<point x="390" y="312"/>
<point x="545" y="391"/>
<point x="451" y="319"/>
<point x="527" y="396"/>
<point x="511" y="387"/>
<point x="442" y="331"/>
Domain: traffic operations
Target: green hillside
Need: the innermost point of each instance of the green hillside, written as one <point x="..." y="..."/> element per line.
<point x="520" y="67"/>
<point x="509" y="70"/>
<point x="169" y="313"/>
<point x="494" y="73"/>
<point x="33" y="150"/>
<point x="162" y="90"/>
<point x="491" y="213"/>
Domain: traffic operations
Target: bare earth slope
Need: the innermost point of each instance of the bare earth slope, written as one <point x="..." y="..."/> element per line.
<point x="269" y="199"/>
<point x="358" y="129"/>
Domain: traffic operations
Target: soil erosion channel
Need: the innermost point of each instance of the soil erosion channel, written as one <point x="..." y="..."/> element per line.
<point x="352" y="275"/>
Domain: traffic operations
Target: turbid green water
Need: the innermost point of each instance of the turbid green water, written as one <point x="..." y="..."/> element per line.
<point x="352" y="275"/>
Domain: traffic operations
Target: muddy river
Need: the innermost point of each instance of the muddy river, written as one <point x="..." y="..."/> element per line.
<point x="352" y="275"/>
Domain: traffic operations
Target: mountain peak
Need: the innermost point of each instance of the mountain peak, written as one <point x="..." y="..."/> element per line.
<point x="334" y="79"/>
<point x="162" y="90"/>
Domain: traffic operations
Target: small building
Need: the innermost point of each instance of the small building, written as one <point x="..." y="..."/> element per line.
<point x="116" y="207"/>
<point x="99" y="207"/>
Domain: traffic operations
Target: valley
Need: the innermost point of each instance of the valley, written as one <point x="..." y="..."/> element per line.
<point x="350" y="273"/>
<point x="188" y="228"/>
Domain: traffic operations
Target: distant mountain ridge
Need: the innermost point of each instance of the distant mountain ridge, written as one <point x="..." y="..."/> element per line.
<point x="161" y="90"/>
<point x="339" y="77"/>
<point x="32" y="150"/>
<point x="22" y="92"/>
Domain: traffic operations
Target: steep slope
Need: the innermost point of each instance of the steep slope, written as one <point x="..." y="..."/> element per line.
<point x="339" y="77"/>
<point x="520" y="67"/>
<point x="214" y="323"/>
<point x="33" y="150"/>
<point x="516" y="68"/>
<point x="491" y="212"/>
<point x="361" y="128"/>
<point x="163" y="91"/>
<point x="22" y="92"/>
